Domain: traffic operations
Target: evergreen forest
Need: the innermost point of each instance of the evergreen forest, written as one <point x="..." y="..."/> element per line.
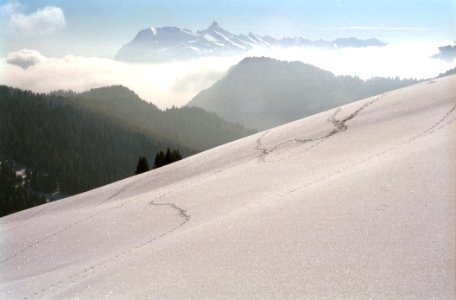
<point x="71" y="143"/>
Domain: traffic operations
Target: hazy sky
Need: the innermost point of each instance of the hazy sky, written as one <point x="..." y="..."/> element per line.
<point x="100" y="27"/>
<point x="69" y="44"/>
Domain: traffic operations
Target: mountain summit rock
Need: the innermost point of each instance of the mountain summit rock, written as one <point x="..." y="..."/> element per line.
<point x="173" y="43"/>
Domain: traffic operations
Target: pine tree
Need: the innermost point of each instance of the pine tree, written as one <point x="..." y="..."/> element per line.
<point x="175" y="156"/>
<point x="159" y="160"/>
<point x="168" y="156"/>
<point x="164" y="158"/>
<point x="143" y="165"/>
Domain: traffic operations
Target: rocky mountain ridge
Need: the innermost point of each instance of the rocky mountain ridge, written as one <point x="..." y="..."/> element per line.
<point x="173" y="43"/>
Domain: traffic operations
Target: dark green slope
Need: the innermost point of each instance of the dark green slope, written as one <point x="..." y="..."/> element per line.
<point x="190" y="126"/>
<point x="78" y="148"/>
<point x="76" y="142"/>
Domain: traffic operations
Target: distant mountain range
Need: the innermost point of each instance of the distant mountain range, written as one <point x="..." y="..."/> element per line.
<point x="173" y="43"/>
<point x="262" y="92"/>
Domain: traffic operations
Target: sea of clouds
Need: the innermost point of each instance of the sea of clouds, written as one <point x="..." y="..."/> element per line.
<point x="175" y="83"/>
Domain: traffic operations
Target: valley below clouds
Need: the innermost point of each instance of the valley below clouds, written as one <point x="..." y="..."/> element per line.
<point x="175" y="83"/>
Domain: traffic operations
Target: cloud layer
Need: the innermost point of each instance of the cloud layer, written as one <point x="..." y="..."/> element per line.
<point x="163" y="84"/>
<point x="169" y="84"/>
<point x="42" y="21"/>
<point x="382" y="28"/>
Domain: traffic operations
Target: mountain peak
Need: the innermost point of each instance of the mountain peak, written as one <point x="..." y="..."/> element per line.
<point x="158" y="44"/>
<point x="113" y="93"/>
<point x="214" y="25"/>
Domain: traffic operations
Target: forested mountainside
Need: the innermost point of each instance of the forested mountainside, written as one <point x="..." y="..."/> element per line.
<point x="75" y="142"/>
<point x="262" y="92"/>
<point x="189" y="126"/>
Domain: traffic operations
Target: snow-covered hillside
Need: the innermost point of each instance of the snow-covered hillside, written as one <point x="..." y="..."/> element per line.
<point x="354" y="203"/>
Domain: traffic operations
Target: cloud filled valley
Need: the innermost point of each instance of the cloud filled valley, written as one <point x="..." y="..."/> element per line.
<point x="175" y="83"/>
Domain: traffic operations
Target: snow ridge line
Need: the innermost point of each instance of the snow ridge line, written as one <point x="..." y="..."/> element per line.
<point x="431" y="130"/>
<point x="84" y="219"/>
<point x="182" y="213"/>
<point x="339" y="126"/>
<point x="45" y="208"/>
<point x="105" y="263"/>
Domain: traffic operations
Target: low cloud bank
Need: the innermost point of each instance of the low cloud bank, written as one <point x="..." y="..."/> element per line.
<point x="163" y="84"/>
<point x="175" y="83"/>
<point x="404" y="61"/>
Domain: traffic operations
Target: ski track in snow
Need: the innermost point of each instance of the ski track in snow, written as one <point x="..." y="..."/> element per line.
<point x="425" y="133"/>
<point x="86" y="272"/>
<point x="71" y="225"/>
<point x="338" y="126"/>
<point x="183" y="214"/>
<point x="124" y="188"/>
<point x="120" y="191"/>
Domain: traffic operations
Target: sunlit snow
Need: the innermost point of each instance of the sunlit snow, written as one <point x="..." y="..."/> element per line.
<point x="353" y="203"/>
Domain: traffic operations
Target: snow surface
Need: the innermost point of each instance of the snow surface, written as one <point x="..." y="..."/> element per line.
<point x="354" y="203"/>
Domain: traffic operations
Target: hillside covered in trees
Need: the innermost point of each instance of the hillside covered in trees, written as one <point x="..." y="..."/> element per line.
<point x="190" y="127"/>
<point x="262" y="92"/>
<point x="76" y="142"/>
<point x="18" y="191"/>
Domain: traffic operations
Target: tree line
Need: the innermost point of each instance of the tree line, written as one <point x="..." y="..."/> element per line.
<point x="63" y="148"/>
<point x="16" y="191"/>
<point x="70" y="142"/>
<point x="161" y="159"/>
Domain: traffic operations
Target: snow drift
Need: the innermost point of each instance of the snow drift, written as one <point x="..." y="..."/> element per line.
<point x="357" y="202"/>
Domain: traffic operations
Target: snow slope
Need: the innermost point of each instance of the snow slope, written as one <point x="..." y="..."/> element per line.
<point x="354" y="203"/>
